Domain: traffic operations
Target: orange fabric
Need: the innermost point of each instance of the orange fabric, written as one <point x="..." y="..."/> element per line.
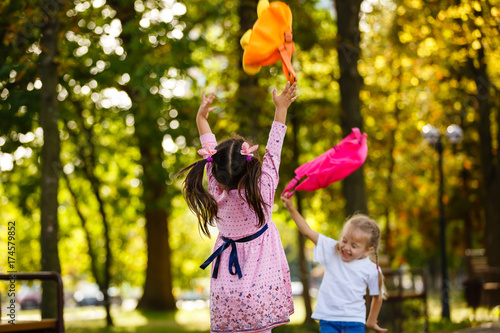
<point x="268" y="35"/>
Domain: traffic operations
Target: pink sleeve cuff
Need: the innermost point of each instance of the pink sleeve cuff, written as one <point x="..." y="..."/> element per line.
<point x="208" y="138"/>
<point x="279" y="127"/>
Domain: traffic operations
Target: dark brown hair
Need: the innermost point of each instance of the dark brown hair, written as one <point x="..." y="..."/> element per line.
<point x="232" y="171"/>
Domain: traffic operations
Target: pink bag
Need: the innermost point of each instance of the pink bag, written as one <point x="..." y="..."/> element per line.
<point x="331" y="166"/>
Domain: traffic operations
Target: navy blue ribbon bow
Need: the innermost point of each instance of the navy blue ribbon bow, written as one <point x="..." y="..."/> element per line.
<point x="234" y="265"/>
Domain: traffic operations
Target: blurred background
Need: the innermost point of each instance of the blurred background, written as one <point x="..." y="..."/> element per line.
<point x="98" y="100"/>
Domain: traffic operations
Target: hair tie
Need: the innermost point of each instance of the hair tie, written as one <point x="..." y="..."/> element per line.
<point x="247" y="150"/>
<point x="207" y="152"/>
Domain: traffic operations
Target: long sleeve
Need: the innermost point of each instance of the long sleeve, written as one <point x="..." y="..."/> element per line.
<point x="271" y="162"/>
<point x="208" y="138"/>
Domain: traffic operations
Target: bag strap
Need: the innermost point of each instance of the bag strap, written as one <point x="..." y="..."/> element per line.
<point x="286" y="49"/>
<point x="290" y="188"/>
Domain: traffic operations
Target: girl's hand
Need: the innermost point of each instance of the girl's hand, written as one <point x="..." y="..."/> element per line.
<point x="287" y="202"/>
<point x="203" y="111"/>
<point x="205" y="108"/>
<point x="287" y="96"/>
<point x="376" y="328"/>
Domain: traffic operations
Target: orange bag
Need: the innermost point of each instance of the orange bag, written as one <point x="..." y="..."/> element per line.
<point x="270" y="39"/>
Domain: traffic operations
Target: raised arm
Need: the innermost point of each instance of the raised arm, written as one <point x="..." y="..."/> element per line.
<point x="203" y="111"/>
<point x="299" y="220"/>
<point x="283" y="101"/>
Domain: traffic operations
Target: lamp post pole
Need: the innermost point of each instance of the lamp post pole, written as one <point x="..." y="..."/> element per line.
<point x="445" y="306"/>
<point x="432" y="136"/>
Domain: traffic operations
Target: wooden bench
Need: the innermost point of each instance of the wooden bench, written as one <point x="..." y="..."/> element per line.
<point x="405" y="285"/>
<point x="54" y="325"/>
<point x="483" y="282"/>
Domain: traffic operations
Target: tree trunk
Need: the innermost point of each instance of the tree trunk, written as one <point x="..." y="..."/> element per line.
<point x="89" y="170"/>
<point x="158" y="285"/>
<point x="390" y="181"/>
<point x="303" y="266"/>
<point x="467" y="214"/>
<point x="350" y="85"/>
<point x="49" y="115"/>
<point x="87" y="155"/>
<point x="92" y="252"/>
<point x="304" y="272"/>
<point x="491" y="179"/>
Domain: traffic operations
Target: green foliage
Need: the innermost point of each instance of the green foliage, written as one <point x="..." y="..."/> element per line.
<point x="132" y="74"/>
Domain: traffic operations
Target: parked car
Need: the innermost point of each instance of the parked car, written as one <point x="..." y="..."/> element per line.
<point x="88" y="294"/>
<point x="191" y="300"/>
<point x="29" y="297"/>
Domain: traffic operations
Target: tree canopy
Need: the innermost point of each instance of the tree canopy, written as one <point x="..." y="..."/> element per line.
<point x="129" y="80"/>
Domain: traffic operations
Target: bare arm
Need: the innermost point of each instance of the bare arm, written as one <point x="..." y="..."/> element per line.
<point x="372" y="322"/>
<point x="203" y="111"/>
<point x="299" y="220"/>
<point x="283" y="101"/>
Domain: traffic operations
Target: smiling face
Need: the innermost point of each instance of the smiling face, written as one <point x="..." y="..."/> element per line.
<point x="354" y="244"/>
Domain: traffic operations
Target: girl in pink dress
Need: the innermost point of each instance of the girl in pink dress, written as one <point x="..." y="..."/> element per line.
<point x="250" y="288"/>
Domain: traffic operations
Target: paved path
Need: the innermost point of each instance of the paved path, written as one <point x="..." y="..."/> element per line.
<point x="483" y="328"/>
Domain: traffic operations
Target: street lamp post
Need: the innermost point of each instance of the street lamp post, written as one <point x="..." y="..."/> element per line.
<point x="445" y="312"/>
<point x="432" y="135"/>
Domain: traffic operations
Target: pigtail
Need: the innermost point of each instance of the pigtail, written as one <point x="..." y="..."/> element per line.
<point x="250" y="184"/>
<point x="381" y="286"/>
<point x="200" y="202"/>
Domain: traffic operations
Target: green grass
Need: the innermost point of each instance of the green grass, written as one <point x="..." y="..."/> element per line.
<point x="182" y="321"/>
<point x="462" y="316"/>
<point x="193" y="321"/>
<point x="459" y="310"/>
<point x="91" y="319"/>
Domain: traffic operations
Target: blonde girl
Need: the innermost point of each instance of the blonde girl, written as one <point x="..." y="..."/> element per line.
<point x="348" y="272"/>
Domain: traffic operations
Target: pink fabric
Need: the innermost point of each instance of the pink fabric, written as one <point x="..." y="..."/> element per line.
<point x="262" y="298"/>
<point x="206" y="152"/>
<point x="331" y="166"/>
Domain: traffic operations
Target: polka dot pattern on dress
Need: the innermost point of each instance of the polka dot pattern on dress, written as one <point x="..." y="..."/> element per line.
<point x="262" y="298"/>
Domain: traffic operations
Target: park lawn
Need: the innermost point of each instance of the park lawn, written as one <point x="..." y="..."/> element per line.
<point x="462" y="316"/>
<point x="91" y="319"/>
<point x="147" y="322"/>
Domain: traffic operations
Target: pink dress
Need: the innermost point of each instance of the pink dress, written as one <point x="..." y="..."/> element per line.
<point x="262" y="298"/>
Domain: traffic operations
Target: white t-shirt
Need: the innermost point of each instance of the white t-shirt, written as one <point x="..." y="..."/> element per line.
<point x="344" y="284"/>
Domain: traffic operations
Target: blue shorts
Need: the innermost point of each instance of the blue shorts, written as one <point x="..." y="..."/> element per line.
<point x="341" y="327"/>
